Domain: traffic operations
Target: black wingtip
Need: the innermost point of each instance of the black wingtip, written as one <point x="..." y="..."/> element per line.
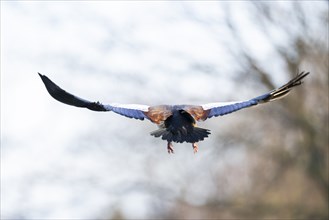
<point x="298" y="79"/>
<point x="302" y="74"/>
<point x="62" y="96"/>
<point x="50" y="85"/>
<point x="43" y="77"/>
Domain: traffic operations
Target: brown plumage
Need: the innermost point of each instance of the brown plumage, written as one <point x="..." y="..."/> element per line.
<point x="177" y="123"/>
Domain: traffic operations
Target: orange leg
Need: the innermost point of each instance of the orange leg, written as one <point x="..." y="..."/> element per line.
<point x="170" y="148"/>
<point x="195" y="147"/>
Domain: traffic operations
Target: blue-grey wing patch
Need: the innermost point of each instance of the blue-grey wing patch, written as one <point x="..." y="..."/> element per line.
<point x="129" y="110"/>
<point x="223" y="108"/>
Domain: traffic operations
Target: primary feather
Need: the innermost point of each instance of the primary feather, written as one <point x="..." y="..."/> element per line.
<point x="223" y="108"/>
<point x="176" y="122"/>
<point x="130" y="110"/>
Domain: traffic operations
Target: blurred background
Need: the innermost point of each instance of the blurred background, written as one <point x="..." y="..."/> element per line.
<point x="58" y="161"/>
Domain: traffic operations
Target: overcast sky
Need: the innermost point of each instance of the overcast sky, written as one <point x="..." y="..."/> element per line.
<point x="63" y="162"/>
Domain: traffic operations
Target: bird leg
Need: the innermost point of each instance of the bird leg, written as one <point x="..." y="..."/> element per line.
<point x="195" y="147"/>
<point x="170" y="148"/>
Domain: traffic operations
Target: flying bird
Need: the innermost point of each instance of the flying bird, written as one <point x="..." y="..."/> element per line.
<point x="177" y="123"/>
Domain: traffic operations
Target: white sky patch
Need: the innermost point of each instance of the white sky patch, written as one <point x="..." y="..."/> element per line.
<point x="58" y="161"/>
<point x="136" y="205"/>
<point x="256" y="42"/>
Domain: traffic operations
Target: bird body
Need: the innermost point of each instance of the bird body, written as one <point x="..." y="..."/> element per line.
<point x="177" y="123"/>
<point x="180" y="127"/>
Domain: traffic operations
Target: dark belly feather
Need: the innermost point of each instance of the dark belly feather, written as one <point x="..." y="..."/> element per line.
<point x="179" y="127"/>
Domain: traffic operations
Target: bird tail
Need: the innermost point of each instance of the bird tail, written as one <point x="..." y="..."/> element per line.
<point x="192" y="136"/>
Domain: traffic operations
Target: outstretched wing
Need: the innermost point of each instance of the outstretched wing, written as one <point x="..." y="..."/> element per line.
<point x="129" y="110"/>
<point x="222" y="108"/>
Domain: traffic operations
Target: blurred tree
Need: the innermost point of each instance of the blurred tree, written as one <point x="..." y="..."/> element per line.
<point x="288" y="145"/>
